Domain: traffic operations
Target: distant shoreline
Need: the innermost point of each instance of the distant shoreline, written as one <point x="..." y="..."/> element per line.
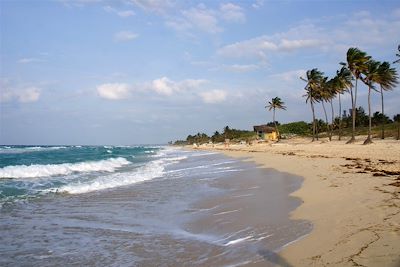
<point x="350" y="194"/>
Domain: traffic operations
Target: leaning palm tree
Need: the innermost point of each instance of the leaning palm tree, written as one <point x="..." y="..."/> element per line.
<point x="398" y="55"/>
<point x="371" y="77"/>
<point x="356" y="63"/>
<point x="313" y="79"/>
<point x="387" y="79"/>
<point x="342" y="83"/>
<point x="275" y="103"/>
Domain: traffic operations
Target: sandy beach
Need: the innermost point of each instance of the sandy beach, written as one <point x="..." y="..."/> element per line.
<point x="350" y="194"/>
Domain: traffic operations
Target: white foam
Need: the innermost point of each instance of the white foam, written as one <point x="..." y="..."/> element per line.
<point x="19" y="150"/>
<point x="233" y="242"/>
<point x="226" y="212"/>
<point x="149" y="171"/>
<point x="37" y="170"/>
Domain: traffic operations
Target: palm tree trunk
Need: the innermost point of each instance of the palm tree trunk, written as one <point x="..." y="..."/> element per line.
<point x="276" y="127"/>
<point x="313" y="124"/>
<point x="369" y="140"/>
<point x="326" y="120"/>
<point x="398" y="130"/>
<point x="340" y="119"/>
<point x="333" y="117"/>
<point x="383" y="116"/>
<point x="353" y="113"/>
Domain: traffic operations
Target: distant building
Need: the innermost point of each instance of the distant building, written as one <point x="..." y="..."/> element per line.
<point x="265" y="132"/>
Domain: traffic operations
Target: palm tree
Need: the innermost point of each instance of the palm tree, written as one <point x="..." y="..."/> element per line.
<point x="325" y="95"/>
<point x="371" y="77"/>
<point x="275" y="103"/>
<point x="313" y="80"/>
<point x="396" y="118"/>
<point x="398" y="55"/>
<point x="356" y="63"/>
<point x="332" y="89"/>
<point x="387" y="79"/>
<point x="342" y="83"/>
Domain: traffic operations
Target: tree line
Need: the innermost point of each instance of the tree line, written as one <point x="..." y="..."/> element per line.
<point x="359" y="66"/>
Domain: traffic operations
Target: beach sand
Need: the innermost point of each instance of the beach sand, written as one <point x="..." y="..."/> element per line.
<point x="351" y="195"/>
<point x="250" y="217"/>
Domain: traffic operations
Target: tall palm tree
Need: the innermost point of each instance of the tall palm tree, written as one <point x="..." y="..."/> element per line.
<point x="332" y="89"/>
<point x="324" y="94"/>
<point x="371" y="77"/>
<point x="356" y="63"/>
<point x="342" y="83"/>
<point x="313" y="79"/>
<point x="275" y="103"/>
<point x="387" y="79"/>
<point x="398" y="55"/>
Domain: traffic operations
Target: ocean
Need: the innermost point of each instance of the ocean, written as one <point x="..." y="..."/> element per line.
<point x="141" y="206"/>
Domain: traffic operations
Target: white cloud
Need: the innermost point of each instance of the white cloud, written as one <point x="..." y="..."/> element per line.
<point x="241" y="67"/>
<point x="157" y="6"/>
<point x="332" y="34"/>
<point x="79" y="3"/>
<point x="290" y="76"/>
<point x="126" y="13"/>
<point x="121" y="13"/>
<point x="258" y="4"/>
<point x="202" y="18"/>
<point x="23" y="95"/>
<point x="259" y="46"/>
<point x="124" y="36"/>
<point x="114" y="91"/>
<point x="29" y="60"/>
<point x="214" y="96"/>
<point x="178" y="24"/>
<point x="165" y="86"/>
<point x="232" y="13"/>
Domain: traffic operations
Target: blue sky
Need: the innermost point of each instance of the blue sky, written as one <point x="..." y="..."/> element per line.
<point x="136" y="72"/>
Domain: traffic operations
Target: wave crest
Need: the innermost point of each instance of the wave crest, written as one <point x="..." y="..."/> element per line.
<point x="37" y="170"/>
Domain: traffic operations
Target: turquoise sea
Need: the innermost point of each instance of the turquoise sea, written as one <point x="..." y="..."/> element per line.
<point x="144" y="205"/>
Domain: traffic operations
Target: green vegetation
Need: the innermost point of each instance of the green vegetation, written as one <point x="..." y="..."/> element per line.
<point x="359" y="66"/>
<point x="295" y="128"/>
<point x="232" y="134"/>
<point x="319" y="89"/>
<point x="275" y="103"/>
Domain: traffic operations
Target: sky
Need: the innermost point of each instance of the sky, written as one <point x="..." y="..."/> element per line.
<point x="128" y="72"/>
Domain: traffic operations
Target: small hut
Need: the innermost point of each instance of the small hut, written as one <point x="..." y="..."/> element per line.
<point x="265" y="132"/>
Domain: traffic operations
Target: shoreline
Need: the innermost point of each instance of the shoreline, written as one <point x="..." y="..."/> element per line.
<point x="350" y="194"/>
<point x="250" y="217"/>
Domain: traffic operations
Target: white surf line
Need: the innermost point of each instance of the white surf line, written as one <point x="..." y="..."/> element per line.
<point x="226" y="212"/>
<point x="261" y="238"/>
<point x="232" y="235"/>
<point x="205" y="209"/>
<point x="245" y="195"/>
<point x="239" y="264"/>
<point x="233" y="242"/>
<point x="254" y="187"/>
<point x="231" y="170"/>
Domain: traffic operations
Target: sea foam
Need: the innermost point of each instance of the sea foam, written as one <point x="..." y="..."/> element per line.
<point x="37" y="170"/>
<point x="151" y="170"/>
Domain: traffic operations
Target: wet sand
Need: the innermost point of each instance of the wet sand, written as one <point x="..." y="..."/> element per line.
<point x="350" y="194"/>
<point x="250" y="218"/>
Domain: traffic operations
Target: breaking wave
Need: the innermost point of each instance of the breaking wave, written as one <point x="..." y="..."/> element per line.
<point x="37" y="170"/>
<point x="150" y="170"/>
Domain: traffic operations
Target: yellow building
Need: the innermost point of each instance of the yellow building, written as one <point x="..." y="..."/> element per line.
<point x="266" y="132"/>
